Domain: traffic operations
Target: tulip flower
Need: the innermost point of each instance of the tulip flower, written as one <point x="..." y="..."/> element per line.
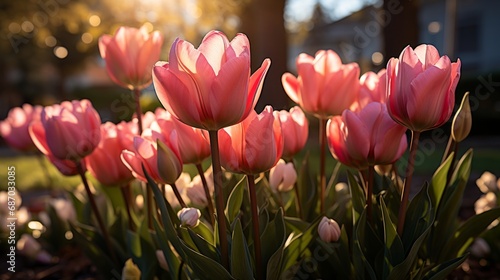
<point x="282" y="176"/>
<point x="105" y="163"/>
<point x="329" y="230"/>
<point x="462" y="122"/>
<point x="195" y="144"/>
<point x="130" y="55"/>
<point x="367" y="138"/>
<point x="252" y="146"/>
<point x="15" y="128"/>
<point x="488" y="182"/>
<point x="209" y="87"/>
<point x="295" y="129"/>
<point x="372" y="89"/>
<point x="421" y="87"/>
<point x="67" y="131"/>
<point x="190" y="217"/>
<point x="160" y="157"/>
<point x="324" y="87"/>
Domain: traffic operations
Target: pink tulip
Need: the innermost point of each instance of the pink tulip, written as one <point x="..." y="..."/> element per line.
<point x="130" y="55"/>
<point x="252" y="146"/>
<point x="65" y="166"/>
<point x="282" y="176"/>
<point x="195" y="144"/>
<point x="324" y="86"/>
<point x="67" y="131"/>
<point x="105" y="163"/>
<point x="295" y="129"/>
<point x="14" y="129"/>
<point x="372" y="89"/>
<point x="421" y="87"/>
<point x="329" y="230"/>
<point x="159" y="156"/>
<point x="369" y="137"/>
<point x="209" y="87"/>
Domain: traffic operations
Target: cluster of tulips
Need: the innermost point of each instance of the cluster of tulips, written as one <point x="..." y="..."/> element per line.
<point x="209" y="95"/>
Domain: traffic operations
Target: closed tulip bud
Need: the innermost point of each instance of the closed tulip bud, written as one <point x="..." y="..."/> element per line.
<point x="130" y="55"/>
<point x="190" y="217"/>
<point x="462" y="122"/>
<point x="282" y="176"/>
<point x="421" y="87"/>
<point x="209" y="87"/>
<point x="329" y="230"/>
<point x="131" y="271"/>
<point x="169" y="163"/>
<point x="325" y="86"/>
<point x="15" y="128"/>
<point x="295" y="128"/>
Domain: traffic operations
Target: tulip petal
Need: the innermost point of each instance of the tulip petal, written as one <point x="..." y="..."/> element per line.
<point x="291" y="86"/>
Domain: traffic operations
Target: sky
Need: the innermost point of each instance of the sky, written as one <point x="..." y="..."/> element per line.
<point x="301" y="10"/>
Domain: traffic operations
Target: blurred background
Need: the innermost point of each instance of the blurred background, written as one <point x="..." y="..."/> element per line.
<point x="48" y="48"/>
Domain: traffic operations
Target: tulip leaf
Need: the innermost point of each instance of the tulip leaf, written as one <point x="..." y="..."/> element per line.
<point x="235" y="200"/>
<point x="241" y="263"/>
<point x="172" y="260"/>
<point x="444" y="269"/>
<point x="143" y="253"/>
<point x="299" y="244"/>
<point x="307" y="190"/>
<point x="393" y="252"/>
<point x="204" y="267"/>
<point x="334" y="260"/>
<point x="203" y="230"/>
<point x="419" y="216"/>
<point x="359" y="259"/>
<point x="358" y="197"/>
<point x="446" y="217"/>
<point x="276" y="259"/>
<point x="468" y="231"/>
<point x="204" y="247"/>
<point x="438" y="183"/>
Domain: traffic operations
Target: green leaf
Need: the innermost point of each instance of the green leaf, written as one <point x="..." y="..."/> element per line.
<point x="204" y="247"/>
<point x="446" y="217"/>
<point x="275" y="261"/>
<point x="438" y="182"/>
<point x="307" y="186"/>
<point x="173" y="261"/>
<point x="241" y="264"/>
<point x="419" y="216"/>
<point x="143" y="251"/>
<point x="204" y="267"/>
<point x="361" y="264"/>
<point x="394" y="252"/>
<point x="299" y="244"/>
<point x="358" y="197"/>
<point x="235" y="199"/>
<point x="207" y="234"/>
<point x="468" y="231"/>
<point x="444" y="269"/>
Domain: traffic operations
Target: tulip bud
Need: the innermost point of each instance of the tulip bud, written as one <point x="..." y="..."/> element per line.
<point x="282" y="176"/>
<point x="131" y="271"/>
<point x="169" y="163"/>
<point x="328" y="230"/>
<point x="190" y="217"/>
<point x="462" y="122"/>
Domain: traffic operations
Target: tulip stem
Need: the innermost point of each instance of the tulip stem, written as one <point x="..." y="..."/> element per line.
<point x="210" y="205"/>
<point x="255" y="227"/>
<point x="45" y="170"/>
<point x="322" y="178"/>
<point x="178" y="196"/>
<point x="127" y="200"/>
<point x="149" y="206"/>
<point x="138" y="110"/>
<point x="369" y="193"/>
<point x="93" y="205"/>
<point x="407" y="184"/>
<point x="219" y="198"/>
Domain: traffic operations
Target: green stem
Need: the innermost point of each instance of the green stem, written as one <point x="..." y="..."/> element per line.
<point x="297" y="196"/>
<point x="369" y="193"/>
<point x="322" y="178"/>
<point x="407" y="184"/>
<point x="255" y="227"/>
<point x="178" y="196"/>
<point x="210" y="205"/>
<point x="93" y="205"/>
<point x="127" y="200"/>
<point x="138" y="110"/>
<point x="45" y="170"/>
<point x="219" y="198"/>
<point x="149" y="205"/>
